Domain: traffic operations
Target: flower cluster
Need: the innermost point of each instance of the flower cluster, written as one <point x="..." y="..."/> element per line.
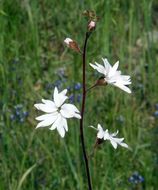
<point x="57" y="112"/>
<point x="136" y="178"/>
<point x="19" y="113"/>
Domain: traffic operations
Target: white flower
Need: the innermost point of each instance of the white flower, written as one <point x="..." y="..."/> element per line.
<point x="105" y="135"/>
<point x="57" y="112"/>
<point x="112" y="76"/>
<point x="68" y="41"/>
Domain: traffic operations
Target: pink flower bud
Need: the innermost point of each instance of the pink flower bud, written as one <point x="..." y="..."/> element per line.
<point x="91" y="25"/>
<point x="72" y="44"/>
<point x="68" y="41"/>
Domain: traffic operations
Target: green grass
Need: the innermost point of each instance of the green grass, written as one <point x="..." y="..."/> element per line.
<point x="31" y="52"/>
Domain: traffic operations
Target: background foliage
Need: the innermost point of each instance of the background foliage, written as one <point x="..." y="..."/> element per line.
<point x="33" y="60"/>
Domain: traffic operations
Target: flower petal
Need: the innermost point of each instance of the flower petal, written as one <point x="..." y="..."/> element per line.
<point x="47" y="120"/>
<point x="113" y="70"/>
<point x="114" y="134"/>
<point x="59" y="98"/>
<point x="98" y="67"/>
<point x="47" y="107"/>
<point x="69" y="111"/>
<point x="122" y="87"/>
<point x="100" y="133"/>
<point x="114" y="144"/>
<point x="106" y="135"/>
<point x="46" y="116"/>
<point x="64" y="92"/>
<point x="59" y="124"/>
<point x="65" y="124"/>
<point x="107" y="65"/>
<point x="124" y="145"/>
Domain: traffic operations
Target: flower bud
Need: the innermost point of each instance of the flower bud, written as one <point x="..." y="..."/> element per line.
<point x="101" y="82"/>
<point x="91" y="25"/>
<point x="68" y="41"/>
<point x="72" y="44"/>
<point x="99" y="141"/>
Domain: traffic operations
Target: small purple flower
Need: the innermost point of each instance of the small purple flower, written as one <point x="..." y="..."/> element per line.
<point x="26" y="113"/>
<point x="136" y="178"/>
<point x="18" y="107"/>
<point x="19" y="114"/>
<point x="72" y="98"/>
<point x="69" y="88"/>
<point x="58" y="83"/>
<point x="79" y="96"/>
<point x="77" y="86"/>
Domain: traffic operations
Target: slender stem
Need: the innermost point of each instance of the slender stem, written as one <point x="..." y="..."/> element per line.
<point x="91" y="87"/>
<point x="82" y="112"/>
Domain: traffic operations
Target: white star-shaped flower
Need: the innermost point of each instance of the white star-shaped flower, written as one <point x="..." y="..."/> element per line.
<point x="112" y="75"/>
<point x="57" y="112"/>
<point x="105" y="135"/>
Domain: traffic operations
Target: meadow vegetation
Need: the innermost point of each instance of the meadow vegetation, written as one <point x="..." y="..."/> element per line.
<point x="33" y="59"/>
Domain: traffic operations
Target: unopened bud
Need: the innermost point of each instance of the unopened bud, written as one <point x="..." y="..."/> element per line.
<point x="67" y="41"/>
<point x="99" y="141"/>
<point x="91" y="25"/>
<point x="72" y="44"/>
<point x="101" y="82"/>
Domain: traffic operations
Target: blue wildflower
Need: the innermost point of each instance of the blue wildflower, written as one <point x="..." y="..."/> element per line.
<point x="72" y="98"/>
<point x="77" y="86"/>
<point x="19" y="114"/>
<point x="26" y="113"/>
<point x="79" y="96"/>
<point x="58" y="83"/>
<point x="136" y="178"/>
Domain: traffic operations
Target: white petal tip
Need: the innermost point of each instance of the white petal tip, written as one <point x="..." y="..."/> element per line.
<point x="125" y="145"/>
<point x="36" y="106"/>
<point x="62" y="136"/>
<point x="129" y="92"/>
<point x="68" y="40"/>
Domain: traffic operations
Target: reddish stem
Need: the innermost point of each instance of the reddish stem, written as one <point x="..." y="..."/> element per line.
<point x="82" y="112"/>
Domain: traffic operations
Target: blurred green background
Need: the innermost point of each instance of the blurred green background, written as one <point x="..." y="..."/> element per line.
<point x="33" y="59"/>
